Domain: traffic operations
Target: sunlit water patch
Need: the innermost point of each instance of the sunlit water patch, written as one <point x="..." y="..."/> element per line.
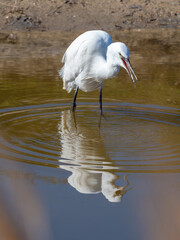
<point x="132" y="137"/>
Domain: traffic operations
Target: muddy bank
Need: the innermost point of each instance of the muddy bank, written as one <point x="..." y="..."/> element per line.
<point x="77" y="15"/>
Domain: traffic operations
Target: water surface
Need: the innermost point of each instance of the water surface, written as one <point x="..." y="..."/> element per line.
<point x="100" y="177"/>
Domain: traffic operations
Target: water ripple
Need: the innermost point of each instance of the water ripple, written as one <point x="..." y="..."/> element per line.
<point x="132" y="138"/>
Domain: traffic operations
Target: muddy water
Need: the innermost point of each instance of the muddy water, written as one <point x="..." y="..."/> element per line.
<point x="101" y="178"/>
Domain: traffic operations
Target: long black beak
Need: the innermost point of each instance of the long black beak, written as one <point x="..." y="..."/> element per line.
<point x="129" y="69"/>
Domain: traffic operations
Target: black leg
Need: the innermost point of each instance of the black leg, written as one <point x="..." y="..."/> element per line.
<point x="100" y="98"/>
<point x="74" y="99"/>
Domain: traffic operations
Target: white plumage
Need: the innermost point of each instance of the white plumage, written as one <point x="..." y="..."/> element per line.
<point x="90" y="59"/>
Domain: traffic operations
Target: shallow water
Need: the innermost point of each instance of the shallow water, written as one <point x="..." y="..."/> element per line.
<point x="97" y="177"/>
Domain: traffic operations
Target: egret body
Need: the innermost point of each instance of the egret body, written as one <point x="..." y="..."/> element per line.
<point x="92" y="58"/>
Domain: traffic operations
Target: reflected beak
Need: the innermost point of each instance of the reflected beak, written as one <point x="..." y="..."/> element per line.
<point x="129" y="69"/>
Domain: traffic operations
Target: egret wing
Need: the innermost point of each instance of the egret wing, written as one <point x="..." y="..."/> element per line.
<point x="81" y="57"/>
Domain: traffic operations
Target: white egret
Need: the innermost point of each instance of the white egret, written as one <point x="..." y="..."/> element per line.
<point x="92" y="58"/>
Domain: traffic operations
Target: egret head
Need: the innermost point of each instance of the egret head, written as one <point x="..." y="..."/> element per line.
<point x="123" y="52"/>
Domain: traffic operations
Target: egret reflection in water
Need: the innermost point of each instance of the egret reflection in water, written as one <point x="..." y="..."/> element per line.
<point x="84" y="155"/>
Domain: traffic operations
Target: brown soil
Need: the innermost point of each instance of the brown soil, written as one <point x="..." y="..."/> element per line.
<point x="80" y="15"/>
